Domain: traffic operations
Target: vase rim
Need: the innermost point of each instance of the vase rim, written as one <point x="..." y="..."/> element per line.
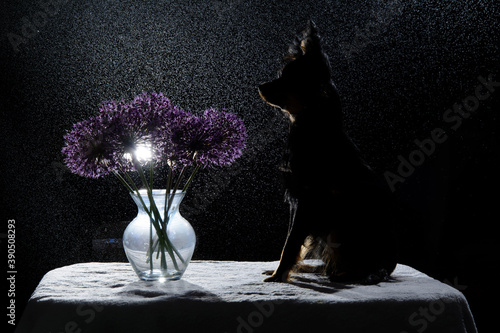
<point x="143" y="191"/>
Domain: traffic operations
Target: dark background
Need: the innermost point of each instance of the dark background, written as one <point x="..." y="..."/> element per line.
<point x="399" y="65"/>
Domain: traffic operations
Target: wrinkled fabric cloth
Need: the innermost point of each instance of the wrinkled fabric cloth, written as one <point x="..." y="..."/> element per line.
<point x="229" y="296"/>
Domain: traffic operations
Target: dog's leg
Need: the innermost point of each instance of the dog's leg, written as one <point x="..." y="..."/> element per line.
<point x="291" y="251"/>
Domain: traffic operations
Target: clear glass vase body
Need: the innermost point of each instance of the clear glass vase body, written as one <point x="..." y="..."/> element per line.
<point x="141" y="242"/>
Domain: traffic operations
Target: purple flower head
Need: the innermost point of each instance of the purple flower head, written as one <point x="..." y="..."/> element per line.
<point x="151" y="128"/>
<point x="227" y="135"/>
<point x="137" y="127"/>
<point x="214" y="138"/>
<point x="184" y="135"/>
<point x="89" y="148"/>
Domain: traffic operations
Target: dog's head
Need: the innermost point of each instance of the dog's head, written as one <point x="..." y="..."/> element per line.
<point x="307" y="76"/>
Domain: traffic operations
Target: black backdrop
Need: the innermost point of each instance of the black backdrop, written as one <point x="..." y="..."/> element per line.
<point x="399" y="66"/>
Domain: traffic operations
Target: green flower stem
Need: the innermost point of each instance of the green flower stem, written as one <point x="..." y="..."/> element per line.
<point x="153" y="221"/>
<point x="176" y="186"/>
<point x="152" y="204"/>
<point x="169" y="185"/>
<point x="129" y="188"/>
<point x="163" y="243"/>
<point x="157" y="217"/>
<point x="133" y="188"/>
<point x="150" y="247"/>
<point x="136" y="191"/>
<point x="167" y="209"/>
<point x="163" y="260"/>
<point x="160" y="225"/>
<point x="150" y="224"/>
<point x="171" y="195"/>
<point x="149" y="190"/>
<point x="151" y="174"/>
<point x="124" y="182"/>
<point x="184" y="189"/>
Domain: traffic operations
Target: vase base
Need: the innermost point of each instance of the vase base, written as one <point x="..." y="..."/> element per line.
<point x="158" y="275"/>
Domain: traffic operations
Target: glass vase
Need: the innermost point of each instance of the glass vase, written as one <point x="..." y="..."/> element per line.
<point x="159" y="248"/>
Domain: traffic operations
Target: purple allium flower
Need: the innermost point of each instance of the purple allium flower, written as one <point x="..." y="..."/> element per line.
<point x="151" y="128"/>
<point x="184" y="135"/>
<point x="138" y="127"/>
<point x="214" y="138"/>
<point x="227" y="135"/>
<point x="89" y="148"/>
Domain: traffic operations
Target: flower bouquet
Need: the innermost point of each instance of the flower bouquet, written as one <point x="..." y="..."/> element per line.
<point x="147" y="133"/>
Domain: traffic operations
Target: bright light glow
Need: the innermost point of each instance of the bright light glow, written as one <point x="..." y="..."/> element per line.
<point x="143" y="153"/>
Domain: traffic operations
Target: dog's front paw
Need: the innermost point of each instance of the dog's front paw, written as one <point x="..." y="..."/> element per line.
<point x="273" y="278"/>
<point x="270" y="272"/>
<point x="276" y="277"/>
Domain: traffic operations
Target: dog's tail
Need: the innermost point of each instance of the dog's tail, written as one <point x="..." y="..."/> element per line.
<point x="381" y="275"/>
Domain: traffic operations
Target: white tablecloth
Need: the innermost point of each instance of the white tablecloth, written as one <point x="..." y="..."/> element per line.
<point x="228" y="296"/>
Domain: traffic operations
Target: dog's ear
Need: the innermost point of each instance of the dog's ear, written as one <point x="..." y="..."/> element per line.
<point x="310" y="42"/>
<point x="307" y="41"/>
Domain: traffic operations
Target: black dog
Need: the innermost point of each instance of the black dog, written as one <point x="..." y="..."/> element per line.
<point x="338" y="203"/>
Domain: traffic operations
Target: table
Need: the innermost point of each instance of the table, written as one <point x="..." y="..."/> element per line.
<point x="229" y="296"/>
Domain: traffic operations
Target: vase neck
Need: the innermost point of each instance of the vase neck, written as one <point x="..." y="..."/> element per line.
<point x="159" y="199"/>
